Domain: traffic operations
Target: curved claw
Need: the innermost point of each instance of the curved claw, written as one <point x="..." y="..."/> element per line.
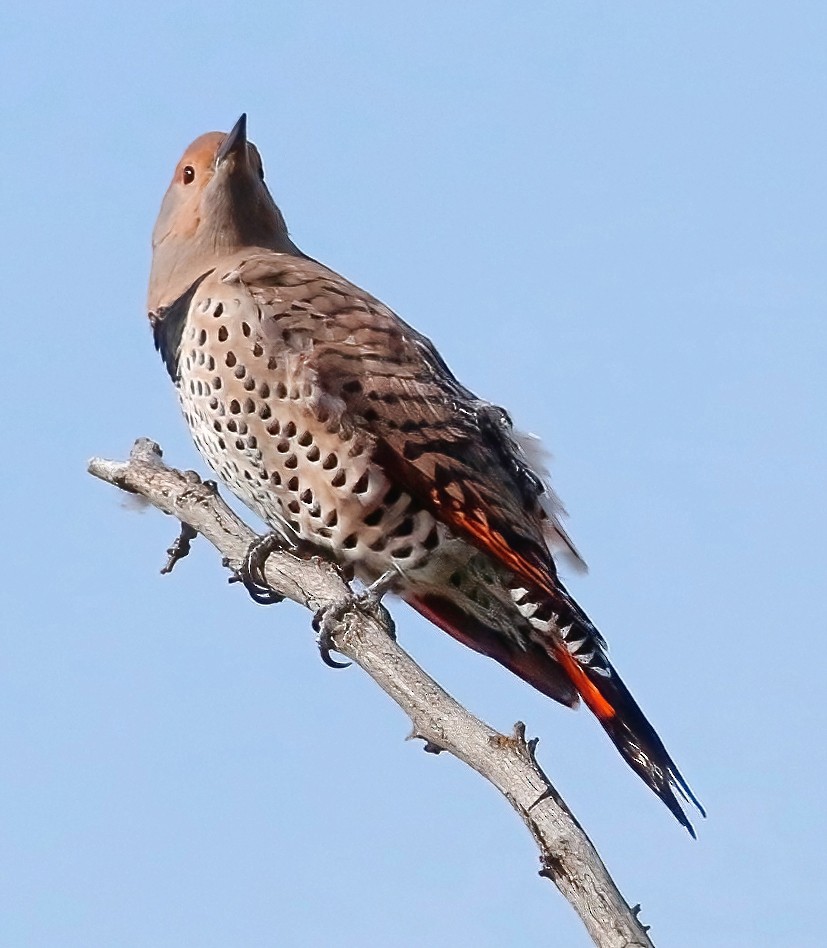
<point x="369" y="601"/>
<point x="322" y="621"/>
<point x="324" y="651"/>
<point x="264" y="596"/>
<point x="251" y="572"/>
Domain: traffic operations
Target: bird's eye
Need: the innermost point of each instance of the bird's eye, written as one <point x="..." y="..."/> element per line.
<point x="188" y="174"/>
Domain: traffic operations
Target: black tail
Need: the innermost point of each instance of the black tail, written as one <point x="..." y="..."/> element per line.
<point x="643" y="750"/>
<point x="600" y="686"/>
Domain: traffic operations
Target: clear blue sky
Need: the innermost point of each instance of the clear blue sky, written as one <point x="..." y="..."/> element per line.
<point x="611" y="219"/>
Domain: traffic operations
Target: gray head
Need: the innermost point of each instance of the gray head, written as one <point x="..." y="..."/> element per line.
<point x="216" y="205"/>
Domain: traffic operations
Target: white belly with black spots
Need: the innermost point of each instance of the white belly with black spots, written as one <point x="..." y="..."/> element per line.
<point x="260" y="430"/>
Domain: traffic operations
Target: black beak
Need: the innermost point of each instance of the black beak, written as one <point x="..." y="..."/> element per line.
<point x="236" y="141"/>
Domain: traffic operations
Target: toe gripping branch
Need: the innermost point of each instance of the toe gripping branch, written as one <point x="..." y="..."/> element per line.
<point x="251" y="571"/>
<point x="327" y="620"/>
<point x="325" y="623"/>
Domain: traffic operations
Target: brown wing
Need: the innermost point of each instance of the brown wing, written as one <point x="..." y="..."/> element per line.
<point x="457" y="456"/>
<point x="450" y="450"/>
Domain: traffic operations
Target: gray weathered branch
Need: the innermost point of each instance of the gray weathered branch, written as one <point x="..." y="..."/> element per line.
<point x="567" y="855"/>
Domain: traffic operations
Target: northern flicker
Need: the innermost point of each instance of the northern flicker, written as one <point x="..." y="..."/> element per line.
<point x="342" y="427"/>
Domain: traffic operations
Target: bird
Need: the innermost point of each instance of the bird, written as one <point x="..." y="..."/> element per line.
<point x="345" y="431"/>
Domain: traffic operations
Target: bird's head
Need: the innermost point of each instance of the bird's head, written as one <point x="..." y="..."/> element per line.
<point x="217" y="204"/>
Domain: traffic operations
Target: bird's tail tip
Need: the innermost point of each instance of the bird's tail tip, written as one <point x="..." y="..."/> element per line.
<point x="612" y="703"/>
<point x="644" y="751"/>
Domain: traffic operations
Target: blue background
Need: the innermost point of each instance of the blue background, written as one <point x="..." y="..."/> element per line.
<point x="610" y="217"/>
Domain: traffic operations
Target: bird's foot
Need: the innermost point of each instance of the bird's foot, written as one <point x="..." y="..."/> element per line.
<point x="328" y="619"/>
<point x="251" y="571"/>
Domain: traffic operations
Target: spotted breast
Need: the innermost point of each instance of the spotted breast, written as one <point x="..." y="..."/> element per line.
<point x="274" y="429"/>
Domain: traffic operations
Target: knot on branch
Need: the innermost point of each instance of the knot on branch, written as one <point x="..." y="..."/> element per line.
<point x="516" y="741"/>
<point x="636" y="913"/>
<point x="180" y="547"/>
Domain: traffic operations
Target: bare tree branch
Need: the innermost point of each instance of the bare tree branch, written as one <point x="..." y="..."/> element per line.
<point x="567" y="856"/>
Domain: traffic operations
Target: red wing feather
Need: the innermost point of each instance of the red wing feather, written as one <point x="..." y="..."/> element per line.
<point x="532" y="664"/>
